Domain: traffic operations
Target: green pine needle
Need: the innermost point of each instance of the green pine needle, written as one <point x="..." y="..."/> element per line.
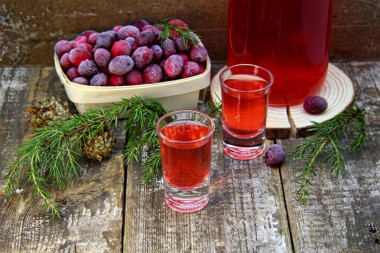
<point x="324" y="147"/>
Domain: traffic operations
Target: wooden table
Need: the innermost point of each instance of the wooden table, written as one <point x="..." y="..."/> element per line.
<point x="253" y="207"/>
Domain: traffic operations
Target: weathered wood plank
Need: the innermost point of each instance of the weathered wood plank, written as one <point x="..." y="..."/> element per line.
<point x="340" y="210"/>
<point x="245" y="212"/>
<point x="93" y="203"/>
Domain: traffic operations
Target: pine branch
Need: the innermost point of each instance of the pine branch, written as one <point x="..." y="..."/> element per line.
<point x="324" y="147"/>
<point x="184" y="32"/>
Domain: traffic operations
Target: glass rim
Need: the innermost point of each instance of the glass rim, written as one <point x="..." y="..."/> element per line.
<point x="270" y="83"/>
<point x="211" y="128"/>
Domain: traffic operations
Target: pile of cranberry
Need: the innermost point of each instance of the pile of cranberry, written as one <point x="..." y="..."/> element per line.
<point x="130" y="55"/>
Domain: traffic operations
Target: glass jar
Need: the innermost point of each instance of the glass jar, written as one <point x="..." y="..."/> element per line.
<point x="288" y="37"/>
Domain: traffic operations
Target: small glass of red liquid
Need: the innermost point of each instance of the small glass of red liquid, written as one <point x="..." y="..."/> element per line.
<point x="245" y="95"/>
<point x="185" y="140"/>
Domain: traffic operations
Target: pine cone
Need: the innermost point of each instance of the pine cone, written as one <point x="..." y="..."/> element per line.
<point x="100" y="147"/>
<point x="48" y="109"/>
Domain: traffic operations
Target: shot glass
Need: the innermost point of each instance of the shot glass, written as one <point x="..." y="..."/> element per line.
<point x="185" y="140"/>
<point x="245" y="95"/>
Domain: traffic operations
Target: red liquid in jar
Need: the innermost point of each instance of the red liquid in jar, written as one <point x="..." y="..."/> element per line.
<point x="186" y="166"/>
<point x="288" y="37"/>
<point x="244" y="113"/>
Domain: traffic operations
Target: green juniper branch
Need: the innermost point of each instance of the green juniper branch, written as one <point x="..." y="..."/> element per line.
<point x="326" y="143"/>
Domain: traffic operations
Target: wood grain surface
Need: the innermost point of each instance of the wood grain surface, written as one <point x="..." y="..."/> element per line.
<point x="253" y="207"/>
<point x="340" y="211"/>
<point x="93" y="203"/>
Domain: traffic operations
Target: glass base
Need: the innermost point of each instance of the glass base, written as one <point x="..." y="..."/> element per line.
<point x="243" y="153"/>
<point x="187" y="201"/>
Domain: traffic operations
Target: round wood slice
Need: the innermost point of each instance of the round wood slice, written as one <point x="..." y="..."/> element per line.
<point x="338" y="90"/>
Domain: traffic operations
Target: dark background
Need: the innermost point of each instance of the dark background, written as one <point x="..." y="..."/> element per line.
<point x="29" y="29"/>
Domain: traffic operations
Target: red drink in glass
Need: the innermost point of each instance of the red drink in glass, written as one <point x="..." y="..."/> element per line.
<point x="186" y="166"/>
<point x="289" y="37"/>
<point x="245" y="89"/>
<point x="185" y="139"/>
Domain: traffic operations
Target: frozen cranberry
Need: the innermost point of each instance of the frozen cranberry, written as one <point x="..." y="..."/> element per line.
<point x="72" y="73"/>
<point x="132" y="42"/>
<point x="86" y="46"/>
<point x="157" y="52"/>
<point x="105" y="40"/>
<point x="140" y="23"/>
<point x="198" y="54"/>
<point x="275" y="155"/>
<point x="201" y="69"/>
<point x="183" y="45"/>
<point x="190" y="68"/>
<point x="162" y="63"/>
<point x="80" y="80"/>
<point x="146" y="38"/>
<point x="173" y="66"/>
<point x="153" y="74"/>
<point x="65" y="62"/>
<point x="79" y="40"/>
<point x="102" y="57"/>
<point x="315" y="104"/>
<point x="185" y="58"/>
<point x="87" y="68"/>
<point x="77" y="55"/>
<point x="134" y="77"/>
<point x="105" y="70"/>
<point x="128" y="31"/>
<point x="151" y="28"/>
<point x="179" y="24"/>
<point x="99" y="79"/>
<point x="142" y="56"/>
<point x="117" y="28"/>
<point x="168" y="47"/>
<point x="120" y="47"/>
<point x="121" y="65"/>
<point x="93" y="37"/>
<point x="61" y="47"/>
<point x="116" y="80"/>
<point x="87" y="33"/>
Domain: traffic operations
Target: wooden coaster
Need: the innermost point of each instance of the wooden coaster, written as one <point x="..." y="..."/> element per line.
<point x="282" y="122"/>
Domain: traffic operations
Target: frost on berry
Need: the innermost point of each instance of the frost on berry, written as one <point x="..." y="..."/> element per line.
<point x="140" y="23"/>
<point x="93" y="37"/>
<point x="121" y="65"/>
<point x="128" y="31"/>
<point x="198" y="54"/>
<point x="65" y="62"/>
<point x="72" y="73"/>
<point x="151" y="28"/>
<point x="80" y="80"/>
<point x="190" y="68"/>
<point x="99" y="79"/>
<point x="182" y="46"/>
<point x="146" y="38"/>
<point x="117" y="28"/>
<point x="77" y="55"/>
<point x="132" y="42"/>
<point x="102" y="57"/>
<point x="157" y="52"/>
<point x="80" y="40"/>
<point x="120" y="47"/>
<point x="275" y="155"/>
<point x="315" y="104"/>
<point x="116" y="80"/>
<point x="105" y="40"/>
<point x="142" y="56"/>
<point x="61" y="47"/>
<point x="134" y="77"/>
<point x="173" y="66"/>
<point x="153" y="74"/>
<point x="168" y="47"/>
<point x="86" y="46"/>
<point x="87" y="68"/>
<point x="87" y="33"/>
